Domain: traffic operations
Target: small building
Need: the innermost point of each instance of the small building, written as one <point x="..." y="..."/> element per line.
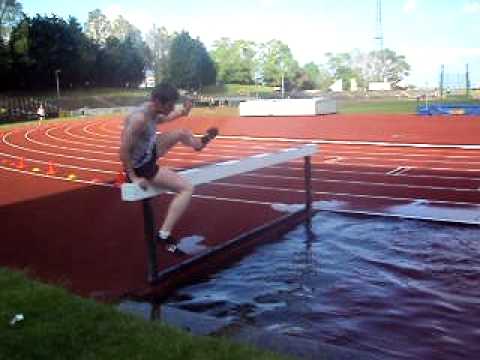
<point x="149" y="81"/>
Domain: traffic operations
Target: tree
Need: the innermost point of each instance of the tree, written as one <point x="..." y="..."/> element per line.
<point x="98" y="27"/>
<point x="314" y="77"/>
<point x="386" y="65"/>
<point x="123" y="29"/>
<point x="158" y="40"/>
<point x="5" y="65"/>
<point x="120" y="63"/>
<point x="236" y="61"/>
<point x="277" y="61"/>
<point x="342" y="66"/>
<point x="42" y="45"/>
<point x="189" y="65"/>
<point x="10" y="15"/>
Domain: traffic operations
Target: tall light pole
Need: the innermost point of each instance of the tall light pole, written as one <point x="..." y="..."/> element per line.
<point x="379" y="36"/>
<point x="282" y="69"/>
<point x="57" y="72"/>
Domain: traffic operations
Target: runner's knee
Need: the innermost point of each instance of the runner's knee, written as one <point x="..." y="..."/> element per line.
<point x="185" y="134"/>
<point x="187" y="188"/>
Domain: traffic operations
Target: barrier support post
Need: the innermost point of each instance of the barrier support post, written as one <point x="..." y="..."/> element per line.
<point x="149" y="229"/>
<point x="308" y="184"/>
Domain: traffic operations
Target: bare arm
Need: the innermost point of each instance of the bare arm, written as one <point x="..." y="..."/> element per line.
<point x="187" y="106"/>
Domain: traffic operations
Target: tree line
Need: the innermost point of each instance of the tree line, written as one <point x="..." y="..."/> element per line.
<point x="34" y="52"/>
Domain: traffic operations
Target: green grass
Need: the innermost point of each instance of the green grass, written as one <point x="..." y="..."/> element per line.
<point x="377" y="106"/>
<point x="61" y="326"/>
<point x="237" y="89"/>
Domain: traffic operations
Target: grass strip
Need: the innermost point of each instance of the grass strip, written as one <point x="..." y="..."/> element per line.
<point x="59" y="325"/>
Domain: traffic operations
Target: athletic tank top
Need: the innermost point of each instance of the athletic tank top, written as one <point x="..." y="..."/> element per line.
<point x="142" y="150"/>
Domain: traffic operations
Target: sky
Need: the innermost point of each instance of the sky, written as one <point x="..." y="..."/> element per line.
<point x="428" y="32"/>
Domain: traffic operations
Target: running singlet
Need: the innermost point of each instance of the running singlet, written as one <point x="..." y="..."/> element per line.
<point x="142" y="150"/>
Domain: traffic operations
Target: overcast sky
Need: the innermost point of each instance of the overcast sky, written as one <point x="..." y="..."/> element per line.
<point x="428" y="32"/>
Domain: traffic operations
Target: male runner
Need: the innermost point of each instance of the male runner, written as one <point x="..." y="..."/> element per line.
<point x="141" y="147"/>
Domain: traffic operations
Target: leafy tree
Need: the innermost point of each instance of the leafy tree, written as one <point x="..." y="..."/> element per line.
<point x="123" y="29"/>
<point x="5" y="66"/>
<point x="189" y="64"/>
<point x="120" y="63"/>
<point x="236" y="61"/>
<point x="10" y="15"/>
<point x="386" y="65"/>
<point x="277" y="61"/>
<point x="98" y="27"/>
<point x="42" y="45"/>
<point x="158" y="41"/>
<point x="367" y="67"/>
<point x="342" y="66"/>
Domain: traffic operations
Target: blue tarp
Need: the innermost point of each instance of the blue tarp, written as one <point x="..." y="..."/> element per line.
<point x="448" y="109"/>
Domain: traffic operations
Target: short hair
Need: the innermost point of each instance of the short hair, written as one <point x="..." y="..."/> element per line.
<point x="164" y="93"/>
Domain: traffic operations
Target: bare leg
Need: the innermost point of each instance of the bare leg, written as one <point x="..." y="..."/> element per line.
<point x="170" y="179"/>
<point x="184" y="190"/>
<point x="167" y="140"/>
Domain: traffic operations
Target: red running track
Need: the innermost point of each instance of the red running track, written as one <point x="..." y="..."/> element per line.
<point x="75" y="230"/>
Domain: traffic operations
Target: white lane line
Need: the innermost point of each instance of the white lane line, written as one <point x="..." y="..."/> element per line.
<point x="399" y="170"/>
<point x="87" y="130"/>
<point x="335" y="160"/>
<point x="398" y="156"/>
<point x="59" y="165"/>
<point x="376" y="166"/>
<point x="56" y="177"/>
<point x="402" y="216"/>
<point x="29" y="139"/>
<point x="68" y="130"/>
<point x="359" y="182"/>
<point x="363" y="196"/>
<point x="355" y="172"/>
<point x="404" y="170"/>
<point x="365" y="159"/>
<point x="345" y="142"/>
<point x="394" y="171"/>
<point x="106" y="128"/>
<point x="4" y="138"/>
<point x="83" y="143"/>
<point x="243" y="200"/>
<point x="58" y="155"/>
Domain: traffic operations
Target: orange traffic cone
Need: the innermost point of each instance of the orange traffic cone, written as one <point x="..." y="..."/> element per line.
<point x="51" y="169"/>
<point x="21" y="164"/>
<point x="120" y="179"/>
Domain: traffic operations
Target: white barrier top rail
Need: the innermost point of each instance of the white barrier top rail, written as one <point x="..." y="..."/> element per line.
<point x="208" y="173"/>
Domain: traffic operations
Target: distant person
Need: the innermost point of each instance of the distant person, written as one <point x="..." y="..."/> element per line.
<point x="41" y="113"/>
<point x="141" y="147"/>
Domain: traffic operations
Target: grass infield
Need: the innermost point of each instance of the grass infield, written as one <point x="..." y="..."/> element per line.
<point x="59" y="325"/>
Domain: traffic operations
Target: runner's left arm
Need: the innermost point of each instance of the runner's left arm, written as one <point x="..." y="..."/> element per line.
<point x="187" y="106"/>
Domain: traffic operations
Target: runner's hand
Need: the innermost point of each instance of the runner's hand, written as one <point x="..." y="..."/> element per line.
<point x="140" y="181"/>
<point x="143" y="183"/>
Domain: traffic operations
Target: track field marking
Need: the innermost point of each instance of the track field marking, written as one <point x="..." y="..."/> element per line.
<point x="358" y="182"/>
<point x="399" y="170"/>
<point x="402" y="216"/>
<point x="56" y="177"/>
<point x="353" y="142"/>
<point x="363" y="196"/>
<point x="354" y="172"/>
<point x="59" y="155"/>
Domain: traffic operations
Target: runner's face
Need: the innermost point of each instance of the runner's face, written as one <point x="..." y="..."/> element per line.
<point x="165" y="108"/>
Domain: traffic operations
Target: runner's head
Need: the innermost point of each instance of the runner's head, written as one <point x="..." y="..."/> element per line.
<point x="164" y="97"/>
